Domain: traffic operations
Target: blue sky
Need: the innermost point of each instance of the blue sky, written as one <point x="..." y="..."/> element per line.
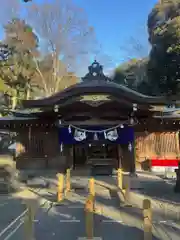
<point x="116" y="21"/>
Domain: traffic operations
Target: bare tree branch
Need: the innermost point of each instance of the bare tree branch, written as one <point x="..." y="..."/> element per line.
<point x="9" y="9"/>
<point x="65" y="34"/>
<point x="40" y="74"/>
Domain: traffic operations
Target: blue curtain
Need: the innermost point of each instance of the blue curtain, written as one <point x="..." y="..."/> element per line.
<point x="125" y="135"/>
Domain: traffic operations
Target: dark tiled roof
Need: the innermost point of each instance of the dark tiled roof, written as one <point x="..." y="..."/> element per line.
<point x="95" y="82"/>
<point x="96" y="87"/>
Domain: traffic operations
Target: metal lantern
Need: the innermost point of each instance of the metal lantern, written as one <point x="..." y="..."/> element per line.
<point x="134" y="107"/>
<point x="56" y="108"/>
<point x="131" y="120"/>
<point x="130" y="147"/>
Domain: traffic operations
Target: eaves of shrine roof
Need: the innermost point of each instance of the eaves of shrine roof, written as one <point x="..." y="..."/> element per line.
<point x="95" y="82"/>
<point x="96" y="87"/>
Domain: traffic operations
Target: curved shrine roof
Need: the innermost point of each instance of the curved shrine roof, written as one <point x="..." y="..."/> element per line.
<point x="95" y="87"/>
<point x="95" y="82"/>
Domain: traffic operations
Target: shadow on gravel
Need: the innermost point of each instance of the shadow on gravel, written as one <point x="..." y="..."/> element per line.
<point x="10" y="208"/>
<point x="70" y="223"/>
<point x="49" y="196"/>
<point x="109" y="229"/>
<point x="161" y="191"/>
<point x="119" y="230"/>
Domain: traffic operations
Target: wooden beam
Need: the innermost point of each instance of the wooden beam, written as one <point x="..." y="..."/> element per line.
<point x="96" y="114"/>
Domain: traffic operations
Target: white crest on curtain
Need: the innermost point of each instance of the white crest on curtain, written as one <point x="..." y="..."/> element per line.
<point x="112" y="135"/>
<point x="79" y="135"/>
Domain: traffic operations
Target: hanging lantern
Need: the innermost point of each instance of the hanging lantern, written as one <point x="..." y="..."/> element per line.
<point x="61" y="147"/>
<point x="131" y="120"/>
<point x="56" y="108"/>
<point x="122" y="126"/>
<point x="134" y="107"/>
<point x="69" y="129"/>
<point x="130" y="147"/>
<point x="95" y="136"/>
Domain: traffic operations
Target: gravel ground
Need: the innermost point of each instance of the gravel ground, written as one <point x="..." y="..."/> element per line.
<point x="10" y="209"/>
<point x="111" y="221"/>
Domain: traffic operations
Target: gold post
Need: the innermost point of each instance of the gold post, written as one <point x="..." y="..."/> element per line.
<point x="29" y="220"/>
<point x="147" y="212"/>
<point x="120" y="178"/>
<point x="60" y="187"/>
<point x="68" y="180"/>
<point x="127" y="190"/>
<point x="89" y="210"/>
<point x="91" y="187"/>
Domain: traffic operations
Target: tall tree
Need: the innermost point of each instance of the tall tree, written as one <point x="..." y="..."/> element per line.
<point x="133" y="71"/>
<point x="62" y="80"/>
<point x="135" y="47"/>
<point x="18" y="70"/>
<point x="65" y="35"/>
<point x="10" y="9"/>
<point x="132" y="74"/>
<point x="164" y="36"/>
<point x="20" y="36"/>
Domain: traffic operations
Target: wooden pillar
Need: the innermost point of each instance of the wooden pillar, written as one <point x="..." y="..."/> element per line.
<point x="65" y="156"/>
<point x="68" y="154"/>
<point x="128" y="163"/>
<point x="71" y="156"/>
<point x="119" y="156"/>
<point x="133" y="159"/>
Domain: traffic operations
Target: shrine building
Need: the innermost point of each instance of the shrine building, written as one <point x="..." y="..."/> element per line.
<point x="95" y="124"/>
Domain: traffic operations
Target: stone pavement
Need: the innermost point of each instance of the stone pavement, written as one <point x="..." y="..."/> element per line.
<point x="13" y="209"/>
<point x="159" y="188"/>
<point x="161" y="194"/>
<point x="112" y="219"/>
<point x="10" y="208"/>
<point x="68" y="222"/>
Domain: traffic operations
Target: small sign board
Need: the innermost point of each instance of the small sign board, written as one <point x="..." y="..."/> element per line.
<point x="95" y="100"/>
<point x="168" y="172"/>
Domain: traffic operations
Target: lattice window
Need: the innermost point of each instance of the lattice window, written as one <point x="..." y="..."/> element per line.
<point x="158" y="144"/>
<point x="37" y="144"/>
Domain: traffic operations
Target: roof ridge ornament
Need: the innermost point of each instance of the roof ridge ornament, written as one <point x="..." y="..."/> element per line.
<point x="95" y="73"/>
